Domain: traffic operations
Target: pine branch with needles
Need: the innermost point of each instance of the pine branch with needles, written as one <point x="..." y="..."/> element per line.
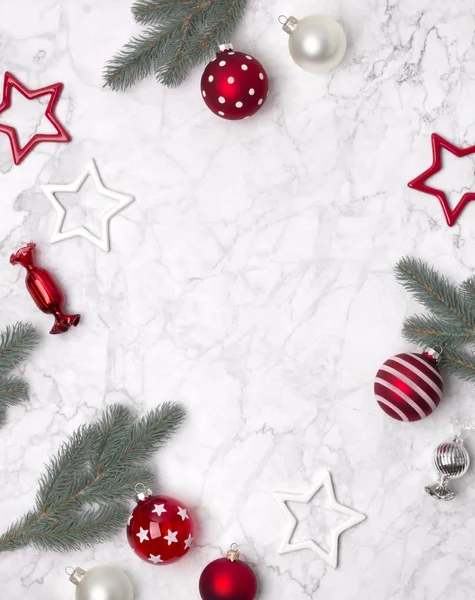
<point x="178" y="36"/>
<point x="16" y="344"/>
<point x="450" y="322"/>
<point x="82" y="495"/>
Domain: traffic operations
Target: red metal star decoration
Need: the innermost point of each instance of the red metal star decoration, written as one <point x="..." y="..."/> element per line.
<point x="61" y="134"/>
<point x="419" y="183"/>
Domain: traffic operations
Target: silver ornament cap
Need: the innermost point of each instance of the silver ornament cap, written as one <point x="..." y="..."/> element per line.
<point x="452" y="461"/>
<point x="141" y="492"/>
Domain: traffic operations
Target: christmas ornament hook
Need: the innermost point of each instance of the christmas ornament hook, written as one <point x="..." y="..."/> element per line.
<point x="69" y="571"/>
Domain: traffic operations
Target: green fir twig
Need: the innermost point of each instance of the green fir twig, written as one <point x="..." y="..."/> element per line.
<point x="179" y="36"/>
<point x="82" y="495"/>
<point x="16" y="343"/>
<point x="459" y="362"/>
<point x="450" y="323"/>
<point x="436" y="293"/>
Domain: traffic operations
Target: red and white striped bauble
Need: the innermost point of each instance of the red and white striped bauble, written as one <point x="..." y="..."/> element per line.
<point x="408" y="387"/>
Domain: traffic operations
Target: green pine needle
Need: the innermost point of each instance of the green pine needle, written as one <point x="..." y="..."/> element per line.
<point x="436" y="293"/>
<point x="179" y="36"/>
<point x="425" y="330"/>
<point x="150" y="12"/>
<point x="459" y="362"/>
<point x="16" y="343"/>
<point x="82" y="495"/>
<point x="450" y="323"/>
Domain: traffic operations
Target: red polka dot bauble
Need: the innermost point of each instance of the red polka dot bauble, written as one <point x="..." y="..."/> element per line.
<point x="228" y="579"/>
<point x="408" y="387"/>
<point x="161" y="529"/>
<point x="234" y="85"/>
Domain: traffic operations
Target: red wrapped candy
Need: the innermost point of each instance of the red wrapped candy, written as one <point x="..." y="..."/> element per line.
<point x="44" y="290"/>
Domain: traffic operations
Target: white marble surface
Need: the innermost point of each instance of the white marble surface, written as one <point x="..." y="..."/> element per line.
<point x="252" y="282"/>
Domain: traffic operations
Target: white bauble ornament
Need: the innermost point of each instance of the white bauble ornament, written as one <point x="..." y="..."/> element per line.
<point x="316" y="43"/>
<point x="102" y="583"/>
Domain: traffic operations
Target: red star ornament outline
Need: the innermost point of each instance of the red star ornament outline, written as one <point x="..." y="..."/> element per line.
<point x="419" y="183"/>
<point x="61" y="135"/>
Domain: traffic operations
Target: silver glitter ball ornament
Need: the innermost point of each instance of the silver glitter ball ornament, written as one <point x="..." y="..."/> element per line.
<point x="317" y="43"/>
<point x="452" y="461"/>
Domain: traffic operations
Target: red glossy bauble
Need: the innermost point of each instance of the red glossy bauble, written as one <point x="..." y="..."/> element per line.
<point x="408" y="387"/>
<point x="44" y="290"/>
<point x="228" y="579"/>
<point x="160" y="529"/>
<point x="234" y="85"/>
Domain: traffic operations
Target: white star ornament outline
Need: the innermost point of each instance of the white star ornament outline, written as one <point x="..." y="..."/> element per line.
<point x="121" y="202"/>
<point x="354" y="517"/>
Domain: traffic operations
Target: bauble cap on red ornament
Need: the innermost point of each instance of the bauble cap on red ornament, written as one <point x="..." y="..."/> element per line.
<point x="234" y="85"/>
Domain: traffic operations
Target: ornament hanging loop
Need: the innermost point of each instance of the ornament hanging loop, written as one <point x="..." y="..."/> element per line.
<point x="288" y="23"/>
<point x="139" y="488"/>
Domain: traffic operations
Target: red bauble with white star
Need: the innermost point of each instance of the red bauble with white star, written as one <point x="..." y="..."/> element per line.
<point x="234" y="85"/>
<point x="161" y="529"/>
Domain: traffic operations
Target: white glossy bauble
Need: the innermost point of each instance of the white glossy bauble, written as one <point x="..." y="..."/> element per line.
<point x="317" y="43"/>
<point x="104" y="583"/>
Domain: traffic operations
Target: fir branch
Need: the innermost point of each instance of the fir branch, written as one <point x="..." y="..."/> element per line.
<point x="425" y="330"/>
<point x="13" y="390"/>
<point x="16" y="343"/>
<point x="81" y="498"/>
<point x="436" y="293"/>
<point x="467" y="289"/>
<point x="150" y="12"/>
<point x="459" y="362"/>
<point x="179" y="37"/>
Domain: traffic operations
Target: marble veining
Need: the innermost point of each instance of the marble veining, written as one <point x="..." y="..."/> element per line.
<point x="251" y="280"/>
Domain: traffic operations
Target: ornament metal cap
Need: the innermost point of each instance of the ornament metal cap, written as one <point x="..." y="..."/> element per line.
<point x="432" y="353"/>
<point x="141" y="492"/>
<point x="224" y="47"/>
<point x="76" y="576"/>
<point x="288" y="23"/>
<point x="233" y="553"/>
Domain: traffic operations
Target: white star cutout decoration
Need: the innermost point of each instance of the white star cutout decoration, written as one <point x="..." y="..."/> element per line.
<point x="121" y="202"/>
<point x="171" y="537"/>
<point x="159" y="509"/>
<point x="142" y="535"/>
<point x="354" y="518"/>
<point x="188" y="541"/>
<point x="155" y="559"/>
<point x="182" y="512"/>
